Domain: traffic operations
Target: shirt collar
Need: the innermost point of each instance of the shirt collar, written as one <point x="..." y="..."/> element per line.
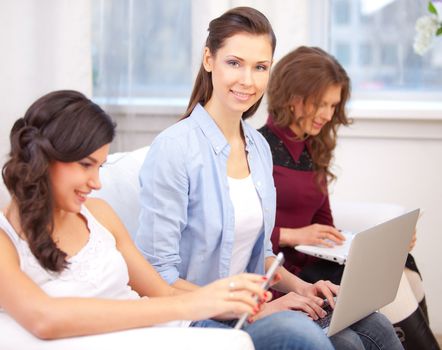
<point x="247" y="134"/>
<point x="288" y="137"/>
<point x="213" y="132"/>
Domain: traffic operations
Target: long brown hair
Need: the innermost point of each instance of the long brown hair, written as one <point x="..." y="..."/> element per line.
<point x="234" y="21"/>
<point x="306" y="73"/>
<point x="60" y="126"/>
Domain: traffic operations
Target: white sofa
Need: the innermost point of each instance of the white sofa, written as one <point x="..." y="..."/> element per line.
<point x="120" y="188"/>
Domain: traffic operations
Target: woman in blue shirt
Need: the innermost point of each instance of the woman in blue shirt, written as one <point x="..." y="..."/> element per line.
<point x="208" y="198"/>
<point x="187" y="223"/>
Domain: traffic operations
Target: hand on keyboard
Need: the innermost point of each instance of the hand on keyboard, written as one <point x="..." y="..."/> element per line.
<point x="325" y="321"/>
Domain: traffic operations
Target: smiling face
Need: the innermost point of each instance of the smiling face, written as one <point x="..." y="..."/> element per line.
<point x="72" y="182"/>
<point x="240" y="72"/>
<point x="313" y="116"/>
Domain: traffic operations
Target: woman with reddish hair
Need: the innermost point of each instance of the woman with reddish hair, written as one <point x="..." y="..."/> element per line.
<point x="307" y="94"/>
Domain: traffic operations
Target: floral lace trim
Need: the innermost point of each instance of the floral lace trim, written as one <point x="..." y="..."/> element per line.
<point x="85" y="266"/>
<point x="281" y="155"/>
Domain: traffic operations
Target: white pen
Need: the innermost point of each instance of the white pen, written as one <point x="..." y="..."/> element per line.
<point x="269" y="276"/>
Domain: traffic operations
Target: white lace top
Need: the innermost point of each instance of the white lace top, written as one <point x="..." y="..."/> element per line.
<point x="98" y="270"/>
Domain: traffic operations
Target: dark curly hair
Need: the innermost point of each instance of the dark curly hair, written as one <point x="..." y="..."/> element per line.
<point x="61" y="126"/>
<point x="308" y="72"/>
<point x="234" y="21"/>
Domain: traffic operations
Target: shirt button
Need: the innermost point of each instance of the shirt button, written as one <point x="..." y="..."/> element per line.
<point x="258" y="184"/>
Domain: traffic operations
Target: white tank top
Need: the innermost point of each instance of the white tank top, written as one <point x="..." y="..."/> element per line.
<point x="248" y="221"/>
<point x="98" y="270"/>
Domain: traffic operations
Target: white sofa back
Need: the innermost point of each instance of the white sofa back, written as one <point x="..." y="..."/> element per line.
<point x="121" y="189"/>
<point x="357" y="216"/>
<point x="120" y="186"/>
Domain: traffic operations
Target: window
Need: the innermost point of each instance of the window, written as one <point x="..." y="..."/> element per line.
<point x="141" y="48"/>
<point x="343" y="53"/>
<point x="341" y="13"/>
<point x="364" y="55"/>
<point x="373" y="39"/>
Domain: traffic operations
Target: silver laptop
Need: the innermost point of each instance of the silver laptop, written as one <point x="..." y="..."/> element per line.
<point x="373" y="270"/>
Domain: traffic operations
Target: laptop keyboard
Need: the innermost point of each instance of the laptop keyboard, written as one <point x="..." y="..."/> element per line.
<point x="325" y="322"/>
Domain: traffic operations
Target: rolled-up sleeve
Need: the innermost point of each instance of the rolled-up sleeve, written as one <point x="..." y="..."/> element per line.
<point x="164" y="201"/>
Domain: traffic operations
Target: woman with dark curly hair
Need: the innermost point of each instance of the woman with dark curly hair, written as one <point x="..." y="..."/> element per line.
<point x="66" y="258"/>
<point x="307" y="94"/>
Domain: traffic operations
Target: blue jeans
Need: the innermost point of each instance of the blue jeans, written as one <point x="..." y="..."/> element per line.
<point x="285" y="330"/>
<point x="372" y="332"/>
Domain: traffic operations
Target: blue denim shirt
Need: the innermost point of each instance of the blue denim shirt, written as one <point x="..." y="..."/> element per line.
<point x="187" y="219"/>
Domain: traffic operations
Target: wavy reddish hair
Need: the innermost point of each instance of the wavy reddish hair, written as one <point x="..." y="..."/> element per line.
<point x="307" y="73"/>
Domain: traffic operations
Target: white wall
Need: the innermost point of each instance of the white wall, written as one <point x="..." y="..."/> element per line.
<point x="45" y="45"/>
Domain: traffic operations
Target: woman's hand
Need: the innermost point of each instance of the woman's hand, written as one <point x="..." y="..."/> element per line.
<point x="293" y="301"/>
<point x="322" y="289"/>
<point x="227" y="298"/>
<point x="315" y="234"/>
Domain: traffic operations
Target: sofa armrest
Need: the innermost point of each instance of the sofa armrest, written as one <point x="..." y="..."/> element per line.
<point x="166" y="338"/>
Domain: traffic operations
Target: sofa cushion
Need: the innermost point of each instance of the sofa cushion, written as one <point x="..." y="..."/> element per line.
<point x="356" y="216"/>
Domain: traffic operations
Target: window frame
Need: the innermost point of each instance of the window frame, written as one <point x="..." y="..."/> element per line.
<point x="393" y="105"/>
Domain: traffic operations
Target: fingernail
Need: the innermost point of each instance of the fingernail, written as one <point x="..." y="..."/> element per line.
<point x="264" y="278"/>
